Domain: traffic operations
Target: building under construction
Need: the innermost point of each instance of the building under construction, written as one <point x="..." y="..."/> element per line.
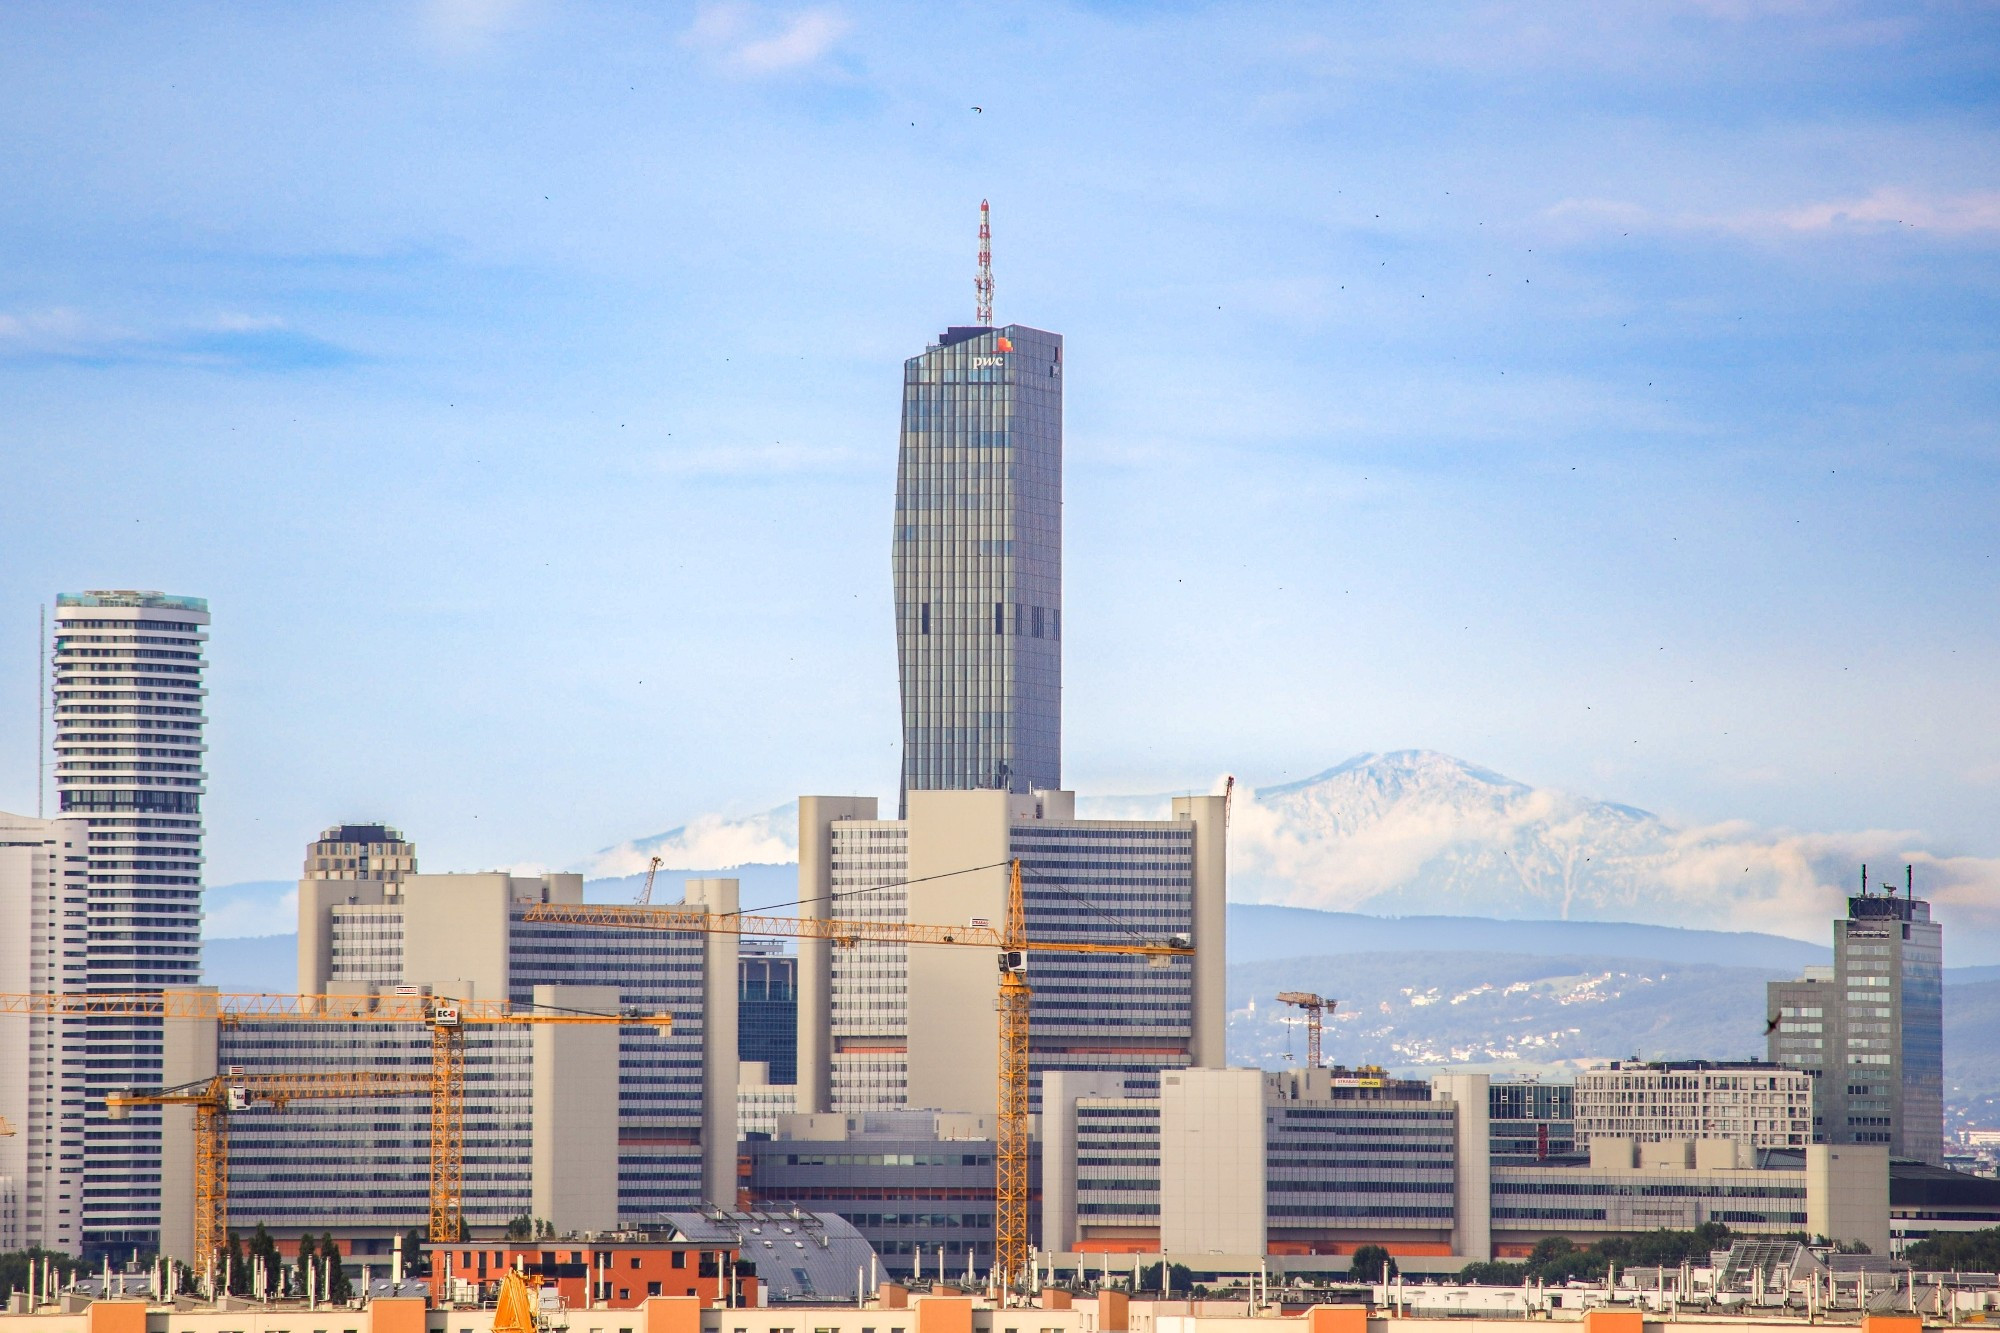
<point x="583" y="1127"/>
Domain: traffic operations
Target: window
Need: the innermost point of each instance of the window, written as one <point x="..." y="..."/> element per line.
<point x="680" y="1259"/>
<point x="652" y="1288"/>
<point x="635" y="1261"/>
<point x="999" y="612"/>
<point x="926" y="618"/>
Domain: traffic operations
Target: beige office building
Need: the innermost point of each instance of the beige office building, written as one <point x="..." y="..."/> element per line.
<point x="44" y="939"/>
<point x="885" y="1026"/>
<point x="587" y="1127"/>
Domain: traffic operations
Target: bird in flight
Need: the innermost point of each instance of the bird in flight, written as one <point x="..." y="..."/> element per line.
<point x="1771" y="1026"/>
<point x="980" y="109"/>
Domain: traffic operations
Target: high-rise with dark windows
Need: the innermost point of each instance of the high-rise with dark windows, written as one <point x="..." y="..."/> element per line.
<point x="129" y="713"/>
<point x="1871" y="1027"/>
<point x="978" y="562"/>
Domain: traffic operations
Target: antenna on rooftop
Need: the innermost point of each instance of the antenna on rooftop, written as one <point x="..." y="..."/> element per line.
<point x="983" y="284"/>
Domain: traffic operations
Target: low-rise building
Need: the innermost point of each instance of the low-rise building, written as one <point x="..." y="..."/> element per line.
<point x="1749" y="1101"/>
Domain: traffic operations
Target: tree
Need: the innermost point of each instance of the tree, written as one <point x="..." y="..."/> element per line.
<point x="415" y="1264"/>
<point x="14" y="1268"/>
<point x="239" y="1268"/>
<point x="338" y="1289"/>
<point x="1957" y="1252"/>
<point x="1371" y="1263"/>
<point x="263" y="1248"/>
<point x="308" y="1252"/>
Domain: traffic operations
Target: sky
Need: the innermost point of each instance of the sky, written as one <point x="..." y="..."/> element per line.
<point x="1601" y="392"/>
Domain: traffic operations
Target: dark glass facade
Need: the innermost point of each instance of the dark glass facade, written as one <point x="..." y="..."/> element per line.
<point x="977" y="558"/>
<point x="1873" y="1031"/>
<point x="767" y="1013"/>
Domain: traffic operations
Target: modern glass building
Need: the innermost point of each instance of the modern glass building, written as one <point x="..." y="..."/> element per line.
<point x="767" y="1008"/>
<point x="1872" y="1028"/>
<point x="130" y="708"/>
<point x="977" y="560"/>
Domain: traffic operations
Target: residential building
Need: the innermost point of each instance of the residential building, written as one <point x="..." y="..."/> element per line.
<point x="44" y="949"/>
<point x="918" y="1185"/>
<point x="1870" y="1029"/>
<point x="129" y="710"/>
<point x="586" y="1127"/>
<point x="977" y="562"/>
<point x="1750" y="1102"/>
<point x="886" y="1026"/>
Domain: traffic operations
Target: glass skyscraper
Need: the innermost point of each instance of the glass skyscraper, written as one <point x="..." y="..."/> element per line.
<point x="1871" y="1027"/>
<point x="978" y="562"/>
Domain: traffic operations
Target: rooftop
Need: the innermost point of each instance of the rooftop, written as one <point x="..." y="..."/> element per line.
<point x="143" y="600"/>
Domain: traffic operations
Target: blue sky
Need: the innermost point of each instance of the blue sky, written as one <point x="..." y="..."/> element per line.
<point x="1602" y="392"/>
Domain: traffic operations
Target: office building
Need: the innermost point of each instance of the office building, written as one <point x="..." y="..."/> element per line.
<point x="1749" y="1102"/>
<point x="361" y="851"/>
<point x="977" y="562"/>
<point x="1243" y="1163"/>
<point x="767" y="1009"/>
<point x="1870" y="1029"/>
<point x="883" y="1026"/>
<point x="44" y="949"/>
<point x="1532" y="1121"/>
<point x="586" y="1127"/>
<point x="918" y="1185"/>
<point x="129" y="711"/>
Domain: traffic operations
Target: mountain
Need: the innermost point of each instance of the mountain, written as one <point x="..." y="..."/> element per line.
<point x="1420" y="833"/>
<point x="1259" y="932"/>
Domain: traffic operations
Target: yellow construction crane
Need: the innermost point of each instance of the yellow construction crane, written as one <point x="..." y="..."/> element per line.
<point x="646" y="894"/>
<point x="1010" y="1176"/>
<point x="446" y="1018"/>
<point x="6" y="1128"/>
<point x="1316" y="1006"/>
<point x="214" y="1099"/>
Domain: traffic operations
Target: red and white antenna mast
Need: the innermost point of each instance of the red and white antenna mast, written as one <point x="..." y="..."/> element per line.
<point x="983" y="284"/>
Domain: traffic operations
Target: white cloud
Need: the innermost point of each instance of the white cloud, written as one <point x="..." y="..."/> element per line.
<point x="707" y="842"/>
<point x="741" y="38"/>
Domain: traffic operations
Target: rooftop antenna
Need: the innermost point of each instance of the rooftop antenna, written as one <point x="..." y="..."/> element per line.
<point x="1864" y="881"/>
<point x="1909" y="882"/>
<point x="983" y="284"/>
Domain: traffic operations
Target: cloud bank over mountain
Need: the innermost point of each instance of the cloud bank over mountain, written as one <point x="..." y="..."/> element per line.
<point x="1417" y="833"/>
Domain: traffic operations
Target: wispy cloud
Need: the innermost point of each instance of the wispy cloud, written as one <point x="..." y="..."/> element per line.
<point x="227" y="341"/>
<point x="1883" y="209"/>
<point x="743" y="38"/>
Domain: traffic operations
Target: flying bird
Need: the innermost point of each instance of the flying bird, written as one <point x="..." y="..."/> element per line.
<point x="980" y="109"/>
<point x="1771" y="1026"/>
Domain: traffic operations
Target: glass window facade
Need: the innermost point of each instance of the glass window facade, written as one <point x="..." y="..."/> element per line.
<point x="977" y="562"/>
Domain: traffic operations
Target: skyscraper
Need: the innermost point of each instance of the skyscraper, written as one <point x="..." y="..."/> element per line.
<point x="129" y="713"/>
<point x="977" y="558"/>
<point x="1871" y="1027"/>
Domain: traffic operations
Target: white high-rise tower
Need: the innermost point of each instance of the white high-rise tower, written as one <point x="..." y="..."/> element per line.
<point x="129" y="708"/>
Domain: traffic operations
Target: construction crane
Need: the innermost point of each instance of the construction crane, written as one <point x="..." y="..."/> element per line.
<point x="446" y="1018"/>
<point x="1316" y="1006"/>
<point x="646" y="894"/>
<point x="215" y="1099"/>
<point x="1010" y="1176"/>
